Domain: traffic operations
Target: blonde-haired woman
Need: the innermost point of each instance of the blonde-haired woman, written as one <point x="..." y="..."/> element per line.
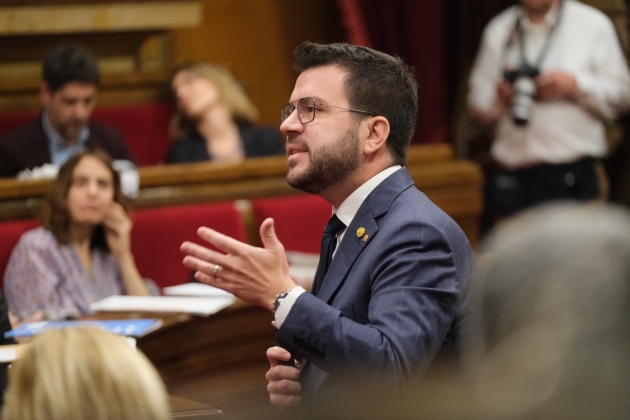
<point x="84" y="373"/>
<point x="214" y="120"/>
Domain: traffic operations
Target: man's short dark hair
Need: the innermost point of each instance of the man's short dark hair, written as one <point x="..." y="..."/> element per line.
<point x="376" y="82"/>
<point x="67" y="63"/>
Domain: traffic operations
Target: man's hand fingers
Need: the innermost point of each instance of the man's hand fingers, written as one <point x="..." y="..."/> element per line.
<point x="284" y="386"/>
<point x="207" y="269"/>
<point x="285" y="401"/>
<point x="203" y="259"/>
<point x="276" y="354"/>
<point x="200" y="252"/>
<point x="268" y="235"/>
<point x="221" y="241"/>
<point x="281" y="372"/>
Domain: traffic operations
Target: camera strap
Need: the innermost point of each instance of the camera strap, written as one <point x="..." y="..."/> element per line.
<point x="520" y="33"/>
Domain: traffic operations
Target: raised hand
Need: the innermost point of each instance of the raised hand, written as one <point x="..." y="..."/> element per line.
<point x="255" y="275"/>
<point x="117" y="226"/>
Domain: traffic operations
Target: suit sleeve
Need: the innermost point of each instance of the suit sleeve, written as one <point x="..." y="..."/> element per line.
<point x="412" y="296"/>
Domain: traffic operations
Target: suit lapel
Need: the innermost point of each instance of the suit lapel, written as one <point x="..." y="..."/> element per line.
<point x="348" y="251"/>
<point x="374" y="206"/>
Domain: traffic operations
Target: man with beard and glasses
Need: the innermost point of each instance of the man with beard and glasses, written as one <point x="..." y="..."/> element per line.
<point x="391" y="288"/>
<point x="68" y="92"/>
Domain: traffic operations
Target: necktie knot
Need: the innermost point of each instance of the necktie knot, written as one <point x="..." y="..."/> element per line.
<point x="334" y="226"/>
<point x="329" y="242"/>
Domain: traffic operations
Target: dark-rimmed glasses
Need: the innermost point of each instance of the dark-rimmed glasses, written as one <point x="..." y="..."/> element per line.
<point x="306" y="110"/>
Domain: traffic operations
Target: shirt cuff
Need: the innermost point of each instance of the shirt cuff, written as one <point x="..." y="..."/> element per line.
<point x="285" y="306"/>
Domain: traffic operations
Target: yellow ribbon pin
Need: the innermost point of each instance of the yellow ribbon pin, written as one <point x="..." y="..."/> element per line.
<point x="360" y="232"/>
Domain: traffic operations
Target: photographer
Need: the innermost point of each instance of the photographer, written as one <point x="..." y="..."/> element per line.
<point x="548" y="74"/>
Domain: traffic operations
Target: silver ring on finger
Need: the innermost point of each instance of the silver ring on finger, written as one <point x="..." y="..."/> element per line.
<point x="216" y="270"/>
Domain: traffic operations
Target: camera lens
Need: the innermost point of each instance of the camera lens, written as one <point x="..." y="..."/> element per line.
<point x="523" y="100"/>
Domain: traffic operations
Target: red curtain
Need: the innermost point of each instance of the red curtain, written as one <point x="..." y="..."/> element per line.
<point x="413" y="30"/>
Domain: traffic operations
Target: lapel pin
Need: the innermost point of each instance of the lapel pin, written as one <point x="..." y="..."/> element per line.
<point x="365" y="238"/>
<point x="360" y="232"/>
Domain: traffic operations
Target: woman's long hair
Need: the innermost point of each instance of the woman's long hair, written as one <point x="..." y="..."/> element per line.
<point x="55" y="214"/>
<point x="231" y="94"/>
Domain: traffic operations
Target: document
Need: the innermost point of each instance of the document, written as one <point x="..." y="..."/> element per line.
<point x="195" y="289"/>
<point x="203" y="306"/>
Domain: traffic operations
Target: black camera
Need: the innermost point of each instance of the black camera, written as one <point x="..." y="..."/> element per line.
<point x="522" y="79"/>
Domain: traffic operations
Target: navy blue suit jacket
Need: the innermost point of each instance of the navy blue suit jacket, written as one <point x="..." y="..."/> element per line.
<point x="388" y="304"/>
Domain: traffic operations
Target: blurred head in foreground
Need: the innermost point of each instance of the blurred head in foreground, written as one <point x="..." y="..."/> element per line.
<point x="554" y="312"/>
<point x="84" y="373"/>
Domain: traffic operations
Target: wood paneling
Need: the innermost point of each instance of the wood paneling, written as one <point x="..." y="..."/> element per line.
<point x="98" y="17"/>
<point x="454" y="186"/>
<point x="254" y="39"/>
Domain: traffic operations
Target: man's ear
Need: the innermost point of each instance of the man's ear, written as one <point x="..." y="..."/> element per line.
<point x="376" y="132"/>
<point x="45" y="93"/>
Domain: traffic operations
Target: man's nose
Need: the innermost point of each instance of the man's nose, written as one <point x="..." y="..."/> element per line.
<point x="82" y="111"/>
<point x="292" y="124"/>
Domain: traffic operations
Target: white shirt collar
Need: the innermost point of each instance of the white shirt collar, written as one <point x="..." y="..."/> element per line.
<point x="350" y="206"/>
<point x="548" y="22"/>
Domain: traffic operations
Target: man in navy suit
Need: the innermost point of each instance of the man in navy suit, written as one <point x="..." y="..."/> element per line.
<point x="396" y="289"/>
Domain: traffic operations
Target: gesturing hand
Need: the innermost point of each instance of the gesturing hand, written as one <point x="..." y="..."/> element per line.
<point x="255" y="275"/>
<point x="284" y="381"/>
<point x="117" y="226"/>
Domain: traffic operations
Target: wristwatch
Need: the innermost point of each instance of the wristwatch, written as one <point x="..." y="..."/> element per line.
<point x="279" y="298"/>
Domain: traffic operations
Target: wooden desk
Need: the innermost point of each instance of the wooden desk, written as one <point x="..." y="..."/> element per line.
<point x="219" y="360"/>
<point x="186" y="345"/>
<point x="192" y="410"/>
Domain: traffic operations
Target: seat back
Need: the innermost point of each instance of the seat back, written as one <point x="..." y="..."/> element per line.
<point x="299" y="220"/>
<point x="10" y="233"/>
<point x="143" y="127"/>
<point x="158" y="233"/>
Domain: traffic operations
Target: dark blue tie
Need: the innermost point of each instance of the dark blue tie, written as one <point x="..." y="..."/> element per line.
<point x="329" y="241"/>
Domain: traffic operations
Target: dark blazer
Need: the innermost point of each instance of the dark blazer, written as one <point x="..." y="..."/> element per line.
<point x="257" y="142"/>
<point x="27" y="146"/>
<point x="387" y="304"/>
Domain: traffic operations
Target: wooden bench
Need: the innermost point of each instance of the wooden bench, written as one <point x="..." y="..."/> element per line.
<point x="235" y="198"/>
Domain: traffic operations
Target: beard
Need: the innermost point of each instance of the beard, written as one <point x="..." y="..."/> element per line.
<point x="71" y="130"/>
<point x="328" y="165"/>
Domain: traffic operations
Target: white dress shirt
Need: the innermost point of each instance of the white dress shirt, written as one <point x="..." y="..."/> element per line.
<point x="346" y="212"/>
<point x="584" y="44"/>
<point x="59" y="149"/>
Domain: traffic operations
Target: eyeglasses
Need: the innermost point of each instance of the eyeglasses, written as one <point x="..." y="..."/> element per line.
<point x="306" y="110"/>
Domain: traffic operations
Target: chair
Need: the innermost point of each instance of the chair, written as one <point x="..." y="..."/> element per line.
<point x="158" y="233"/>
<point x="299" y="220"/>
<point x="10" y="232"/>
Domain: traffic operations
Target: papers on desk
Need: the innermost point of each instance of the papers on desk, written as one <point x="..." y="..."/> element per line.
<point x="127" y="327"/>
<point x="203" y="306"/>
<point x="195" y="289"/>
<point x="302" y="267"/>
